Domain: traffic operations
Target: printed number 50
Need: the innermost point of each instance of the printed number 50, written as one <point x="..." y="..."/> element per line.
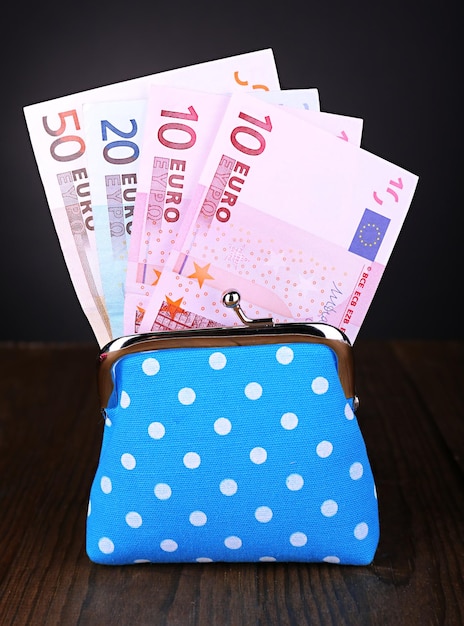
<point x="67" y="141"/>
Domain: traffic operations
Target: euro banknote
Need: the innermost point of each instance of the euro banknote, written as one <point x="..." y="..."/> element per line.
<point x="300" y="223"/>
<point x="180" y="127"/>
<point x="60" y="147"/>
<point x="114" y="134"/>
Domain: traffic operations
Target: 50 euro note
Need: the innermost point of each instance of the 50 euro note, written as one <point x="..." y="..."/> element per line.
<point x="59" y="143"/>
<point x="300" y="223"/>
<point x="180" y="127"/>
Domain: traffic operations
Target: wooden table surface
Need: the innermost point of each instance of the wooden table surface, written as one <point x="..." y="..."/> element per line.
<point x="412" y="418"/>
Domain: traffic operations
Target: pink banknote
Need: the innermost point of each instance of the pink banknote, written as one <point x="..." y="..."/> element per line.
<point x="301" y="223"/>
<point x="180" y="127"/>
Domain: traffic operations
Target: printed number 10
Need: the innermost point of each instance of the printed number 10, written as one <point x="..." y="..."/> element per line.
<point x="251" y="132"/>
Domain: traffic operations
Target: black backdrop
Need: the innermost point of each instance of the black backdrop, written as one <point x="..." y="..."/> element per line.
<point x="397" y="65"/>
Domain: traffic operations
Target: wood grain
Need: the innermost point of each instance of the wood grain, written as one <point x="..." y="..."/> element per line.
<point x="412" y="418"/>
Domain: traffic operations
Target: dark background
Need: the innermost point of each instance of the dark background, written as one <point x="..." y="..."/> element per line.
<point x="396" y="65"/>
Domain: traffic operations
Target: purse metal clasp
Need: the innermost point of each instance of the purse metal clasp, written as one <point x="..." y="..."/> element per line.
<point x="231" y="299"/>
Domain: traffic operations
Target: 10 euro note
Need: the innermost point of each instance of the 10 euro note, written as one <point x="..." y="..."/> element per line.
<point x="180" y="127"/>
<point x="59" y="143"/>
<point x="300" y="223"/>
<point x="165" y="236"/>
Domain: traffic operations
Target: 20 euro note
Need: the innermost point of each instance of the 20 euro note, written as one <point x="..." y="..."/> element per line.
<point x="60" y="146"/>
<point x="300" y="223"/>
<point x="114" y="132"/>
<point x="179" y="129"/>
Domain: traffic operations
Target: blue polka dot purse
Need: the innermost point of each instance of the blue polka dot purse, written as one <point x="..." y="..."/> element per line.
<point x="231" y="444"/>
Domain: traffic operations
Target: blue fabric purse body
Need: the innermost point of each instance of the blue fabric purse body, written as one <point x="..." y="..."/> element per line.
<point x="232" y="444"/>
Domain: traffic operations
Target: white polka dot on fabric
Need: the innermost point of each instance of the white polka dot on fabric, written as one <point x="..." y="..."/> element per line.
<point x="108" y="422"/>
<point x="258" y="455"/>
<point x="324" y="449"/>
<point x="89" y="508"/>
<point x="298" y="539"/>
<point x="331" y="559"/>
<point x="375" y="492"/>
<point x="284" y="355"/>
<point x="106" y="484"/>
<point x="361" y="530"/>
<point x="263" y="514"/>
<point x="168" y="545"/>
<point x="141" y="561"/>
<point x="228" y="487"/>
<point x="162" y="491"/>
<point x="320" y="385"/>
<point x="267" y="559"/>
<point x="217" y="361"/>
<point x="198" y="518"/>
<point x="222" y="426"/>
<point x="203" y="559"/>
<point x="192" y="460"/>
<point x="329" y="508"/>
<point x="356" y="471"/>
<point x="186" y="396"/>
<point x="125" y="400"/>
<point x="128" y="461"/>
<point x="348" y="412"/>
<point x="156" y="430"/>
<point x="294" y="482"/>
<point x="289" y="421"/>
<point x="105" y="545"/>
<point x="232" y="542"/>
<point x="253" y="391"/>
<point x="150" y="366"/>
<point x="134" y="519"/>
